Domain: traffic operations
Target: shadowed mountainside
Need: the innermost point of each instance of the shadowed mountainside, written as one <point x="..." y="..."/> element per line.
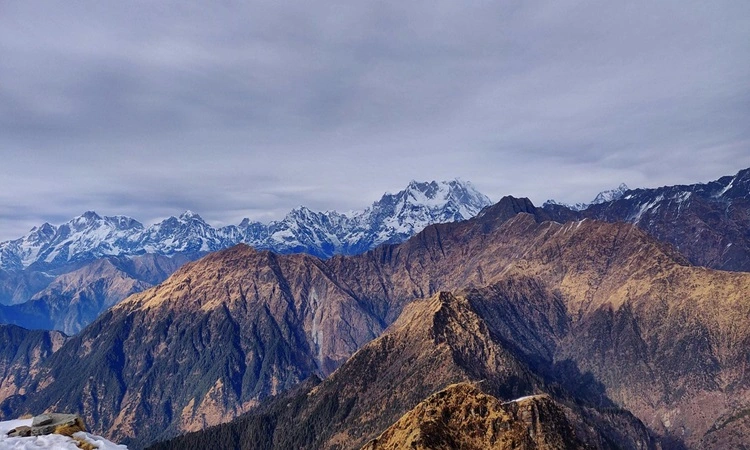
<point x="22" y="352"/>
<point x="434" y="344"/>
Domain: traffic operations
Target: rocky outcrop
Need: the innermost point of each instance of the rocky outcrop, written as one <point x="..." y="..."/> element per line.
<point x="50" y="423"/>
<point x="461" y="416"/>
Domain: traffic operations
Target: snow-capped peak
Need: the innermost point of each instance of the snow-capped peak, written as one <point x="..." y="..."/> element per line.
<point x="394" y="218"/>
<point x="602" y="197"/>
<point x="190" y="215"/>
<point x="89" y="216"/>
<point x="610" y="195"/>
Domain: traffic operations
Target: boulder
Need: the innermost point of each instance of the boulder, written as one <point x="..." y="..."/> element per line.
<point x="52" y="423"/>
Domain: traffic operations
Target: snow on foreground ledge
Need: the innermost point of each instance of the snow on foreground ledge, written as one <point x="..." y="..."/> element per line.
<point x="50" y="441"/>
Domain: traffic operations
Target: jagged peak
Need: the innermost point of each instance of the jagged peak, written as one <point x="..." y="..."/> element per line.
<point x="610" y="194"/>
<point x="123" y="222"/>
<point x="248" y="223"/>
<point x="506" y="208"/>
<point x="430" y="188"/>
<point x="44" y="228"/>
<point x="190" y="215"/>
<point x="88" y="216"/>
<point x="434" y="315"/>
<point x="300" y="211"/>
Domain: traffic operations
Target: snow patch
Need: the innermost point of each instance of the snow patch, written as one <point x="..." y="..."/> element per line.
<point x="729" y="186"/>
<point x="644" y="208"/>
<point x="50" y="441"/>
<point x="527" y="397"/>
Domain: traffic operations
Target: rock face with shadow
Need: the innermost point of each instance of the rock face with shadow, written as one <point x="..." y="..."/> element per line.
<point x="433" y="379"/>
<point x="22" y="354"/>
<point x="462" y="416"/>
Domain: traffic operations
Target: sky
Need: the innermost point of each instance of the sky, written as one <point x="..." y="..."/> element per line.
<point x="248" y="109"/>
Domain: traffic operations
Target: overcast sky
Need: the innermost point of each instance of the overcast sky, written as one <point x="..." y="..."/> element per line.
<point x="248" y="109"/>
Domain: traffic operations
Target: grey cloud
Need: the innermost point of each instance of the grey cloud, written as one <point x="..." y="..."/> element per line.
<point x="252" y="108"/>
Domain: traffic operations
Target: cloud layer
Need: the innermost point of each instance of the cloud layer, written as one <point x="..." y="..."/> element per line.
<point x="247" y="109"/>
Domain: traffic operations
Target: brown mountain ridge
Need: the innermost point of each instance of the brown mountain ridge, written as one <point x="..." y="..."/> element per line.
<point x="239" y="325"/>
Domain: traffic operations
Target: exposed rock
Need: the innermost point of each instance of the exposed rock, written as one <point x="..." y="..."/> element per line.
<point x="52" y="423"/>
<point x="461" y="416"/>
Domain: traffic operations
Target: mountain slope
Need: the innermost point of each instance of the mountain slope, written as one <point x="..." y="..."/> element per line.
<point x="74" y="299"/>
<point x="22" y="353"/>
<point x="251" y="323"/>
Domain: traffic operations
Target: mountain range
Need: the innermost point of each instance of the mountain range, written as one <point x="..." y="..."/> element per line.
<point x="707" y="222"/>
<point x="598" y="316"/>
<point x="392" y="219"/>
<point x="63" y="277"/>
<point x="599" y="324"/>
<point x="73" y="272"/>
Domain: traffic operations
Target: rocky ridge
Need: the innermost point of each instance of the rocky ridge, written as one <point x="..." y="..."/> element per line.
<point x="462" y="416"/>
<point x="602" y="197"/>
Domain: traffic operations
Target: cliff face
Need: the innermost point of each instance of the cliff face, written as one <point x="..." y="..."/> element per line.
<point x="592" y="301"/>
<point x="22" y="354"/>
<point x="434" y="343"/>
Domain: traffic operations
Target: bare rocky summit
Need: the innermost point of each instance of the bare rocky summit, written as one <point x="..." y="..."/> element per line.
<point x="462" y="416"/>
